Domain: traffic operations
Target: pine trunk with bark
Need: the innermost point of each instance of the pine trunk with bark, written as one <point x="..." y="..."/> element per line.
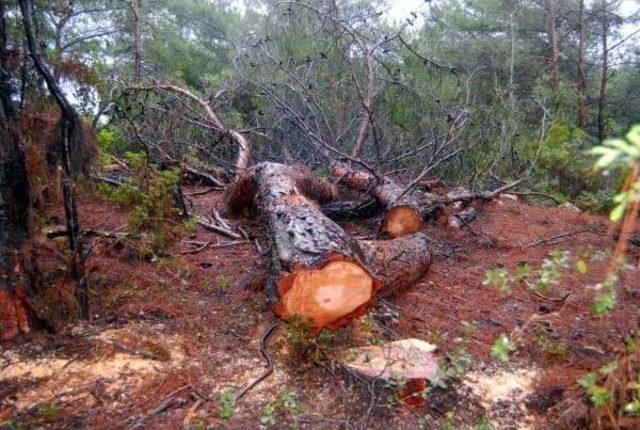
<point x="602" y="99"/>
<point x="403" y="211"/>
<point x="581" y="85"/>
<point x="317" y="270"/>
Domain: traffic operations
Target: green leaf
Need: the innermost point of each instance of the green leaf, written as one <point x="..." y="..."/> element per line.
<point x="581" y="266"/>
<point x="618" y="211"/>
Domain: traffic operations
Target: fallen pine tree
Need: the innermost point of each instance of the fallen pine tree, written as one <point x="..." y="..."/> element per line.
<point x="317" y="270"/>
<point x="403" y="210"/>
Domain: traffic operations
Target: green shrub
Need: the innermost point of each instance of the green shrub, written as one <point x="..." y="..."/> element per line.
<point x="150" y="194"/>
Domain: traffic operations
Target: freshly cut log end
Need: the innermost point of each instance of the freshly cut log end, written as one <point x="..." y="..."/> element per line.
<point x="401" y="220"/>
<point x="328" y="295"/>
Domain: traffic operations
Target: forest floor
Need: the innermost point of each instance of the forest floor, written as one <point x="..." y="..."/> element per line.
<point x="169" y="337"/>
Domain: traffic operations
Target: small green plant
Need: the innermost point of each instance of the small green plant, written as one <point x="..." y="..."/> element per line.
<point x="286" y="401"/>
<point x="599" y="395"/>
<point x="547" y="275"/>
<point x="484" y="424"/>
<point x="49" y="411"/>
<point x="222" y="282"/>
<point x="306" y="345"/>
<point x="151" y="195"/>
<point x="14" y="424"/>
<point x="227" y="404"/>
<point x="606" y="294"/>
<point x="621" y="153"/>
<point x="498" y="277"/>
<point x="502" y="347"/>
<point x="552" y="346"/>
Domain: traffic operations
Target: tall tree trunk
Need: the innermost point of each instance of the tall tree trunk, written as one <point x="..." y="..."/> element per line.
<point x="5" y="82"/>
<point x="137" y="49"/>
<point x="71" y="140"/>
<point x="582" y="67"/>
<point x="15" y="205"/>
<point x="602" y="99"/>
<point x="554" y="51"/>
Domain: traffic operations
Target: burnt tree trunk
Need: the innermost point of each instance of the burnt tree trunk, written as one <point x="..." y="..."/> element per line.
<point x="403" y="211"/>
<point x="317" y="270"/>
<point x="70" y="153"/>
<point x="15" y="205"/>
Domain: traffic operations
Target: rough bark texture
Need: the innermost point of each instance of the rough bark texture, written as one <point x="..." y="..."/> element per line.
<point x="15" y="206"/>
<point x="70" y="150"/>
<point x="403" y="213"/>
<point x="581" y="85"/>
<point x="317" y="269"/>
<point x="554" y="50"/>
<point x="604" y="70"/>
<point x="398" y="263"/>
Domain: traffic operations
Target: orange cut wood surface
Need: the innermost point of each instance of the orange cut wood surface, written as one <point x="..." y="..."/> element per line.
<point x="401" y="220"/>
<point x="326" y="294"/>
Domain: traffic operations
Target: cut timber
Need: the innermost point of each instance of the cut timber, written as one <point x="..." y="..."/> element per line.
<point x="316" y="268"/>
<point x="403" y="213"/>
<point x="410" y="361"/>
<point x="398" y="263"/>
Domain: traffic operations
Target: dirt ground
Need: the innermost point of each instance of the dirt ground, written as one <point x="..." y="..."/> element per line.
<point x="169" y="337"/>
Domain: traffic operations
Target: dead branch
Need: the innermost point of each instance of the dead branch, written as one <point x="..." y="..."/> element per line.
<point x="265" y="353"/>
<point x="244" y="148"/>
<point x="589" y="228"/>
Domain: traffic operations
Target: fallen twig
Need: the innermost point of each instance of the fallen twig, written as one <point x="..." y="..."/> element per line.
<point x="585" y="229"/>
<point x="265" y="354"/>
<point x="201" y="192"/>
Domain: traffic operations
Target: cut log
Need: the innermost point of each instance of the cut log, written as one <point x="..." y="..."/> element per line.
<point x="398" y="263"/>
<point x="317" y="270"/>
<point x="408" y="361"/>
<point x="403" y="212"/>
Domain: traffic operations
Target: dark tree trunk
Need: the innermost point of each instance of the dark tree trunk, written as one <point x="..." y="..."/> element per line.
<point x="137" y="48"/>
<point x="602" y="99"/>
<point x="582" y="67"/>
<point x="554" y="50"/>
<point x="15" y="205"/>
<point x="70" y="153"/>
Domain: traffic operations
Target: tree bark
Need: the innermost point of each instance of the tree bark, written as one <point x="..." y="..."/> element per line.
<point x="582" y="67"/>
<point x="317" y="270"/>
<point x="602" y="102"/>
<point x="71" y="140"/>
<point x="554" y="50"/>
<point x="136" y="8"/>
<point x="398" y="263"/>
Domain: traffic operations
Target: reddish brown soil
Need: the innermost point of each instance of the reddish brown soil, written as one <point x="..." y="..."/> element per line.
<point x="194" y="323"/>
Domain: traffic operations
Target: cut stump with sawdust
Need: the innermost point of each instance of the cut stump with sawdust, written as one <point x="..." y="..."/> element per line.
<point x="411" y="362"/>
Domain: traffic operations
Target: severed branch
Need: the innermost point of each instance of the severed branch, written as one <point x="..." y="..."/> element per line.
<point x="244" y="147"/>
<point x="587" y="228"/>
